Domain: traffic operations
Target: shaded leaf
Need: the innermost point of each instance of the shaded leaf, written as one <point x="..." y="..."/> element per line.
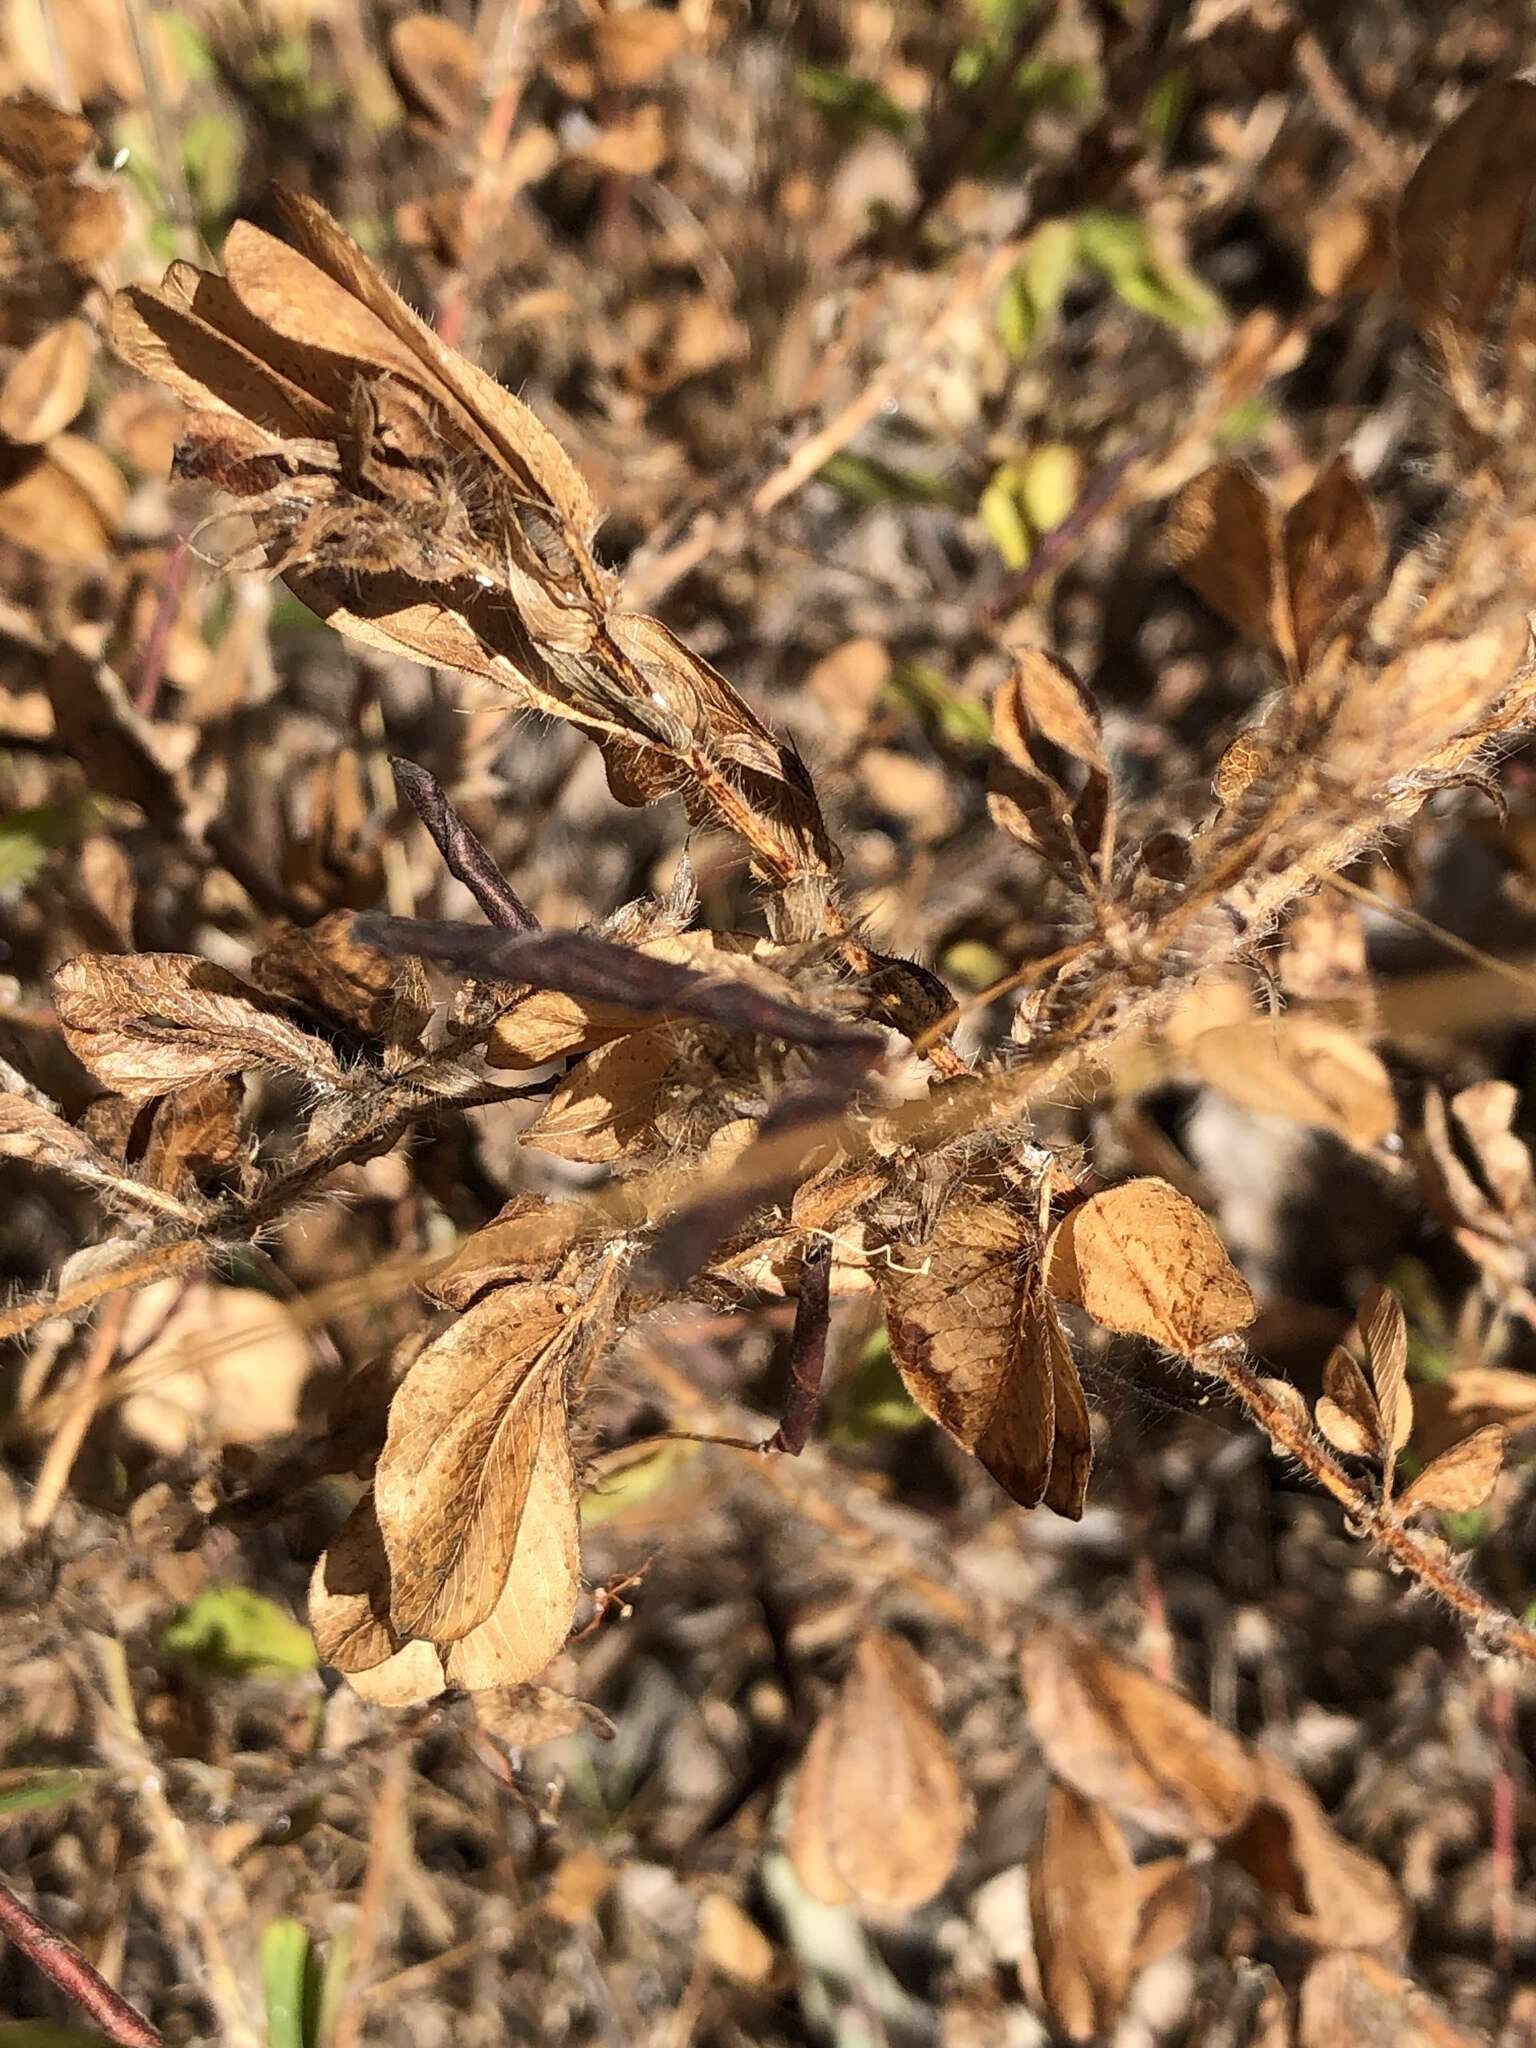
<point x="1334" y="551"/>
<point x="238" y="1633"/>
<point x="1223" y="538"/>
<point x="1460" y="220"/>
<point x="1084" y="1909"/>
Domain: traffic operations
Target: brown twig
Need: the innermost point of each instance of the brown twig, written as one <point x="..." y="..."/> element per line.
<point x="61" y="1962"/>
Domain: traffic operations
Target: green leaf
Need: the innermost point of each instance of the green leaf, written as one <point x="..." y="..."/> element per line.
<point x="189" y="45"/>
<point x="1164" y="108"/>
<point x="1149" y="281"/>
<point x="852" y="102"/>
<point x="35" y="1791"/>
<point x="1466" y="1531"/>
<point x="920" y="687"/>
<point x="326" y="1986"/>
<point x="1043" y="82"/>
<point x="1003" y="517"/>
<point x="1032" y="297"/>
<point x="871" y="1401"/>
<point x="27" y="838"/>
<point x="972" y="963"/>
<point x="869" y="482"/>
<point x="284" y="1978"/>
<point x="238" y="1634"/>
<point x="212" y="151"/>
<point x="631" y="1485"/>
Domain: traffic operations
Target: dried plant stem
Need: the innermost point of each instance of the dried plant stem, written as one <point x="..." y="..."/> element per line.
<point x="191" y="1886"/>
<point x="63" y="1963"/>
<point x="385" y="1843"/>
<point x="1377" y="1521"/>
<point x="137" y="1269"/>
<point x="83" y="1396"/>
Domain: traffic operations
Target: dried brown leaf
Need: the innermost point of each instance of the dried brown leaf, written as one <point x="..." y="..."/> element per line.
<point x="1346" y="1412"/>
<point x="1119" y="1736"/>
<point x="878" y="1811"/>
<point x="1142" y="1259"/>
<point x="1460" y="1478"/>
<point x="465" y="1440"/>
<point x="1461" y="218"/>
<point x="1321" y="1887"/>
<point x="607" y="1106"/>
<point x="28" y="1130"/>
<point x="1223" y="538"/>
<point x="980" y="1348"/>
<point x="1445" y="1411"/>
<point x="1385" y="1334"/>
<point x="38" y="139"/>
<point x="529" y="1624"/>
<point x="436" y="68"/>
<point x="1303" y="1068"/>
<point x="1351" y="2000"/>
<point x="45" y="387"/>
<point x="146" y="1023"/>
<point x="1334" y="553"/>
<point x="1043" y="700"/>
<point x="1084" y="1910"/>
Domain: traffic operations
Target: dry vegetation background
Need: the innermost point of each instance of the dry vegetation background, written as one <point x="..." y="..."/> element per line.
<point x="920" y="858"/>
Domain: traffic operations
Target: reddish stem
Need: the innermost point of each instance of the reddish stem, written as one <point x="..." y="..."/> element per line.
<point x="61" y="1961"/>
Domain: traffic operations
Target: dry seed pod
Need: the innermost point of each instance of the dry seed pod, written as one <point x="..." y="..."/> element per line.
<point x="1142" y="1259"/>
<point x="878" y="1812"/>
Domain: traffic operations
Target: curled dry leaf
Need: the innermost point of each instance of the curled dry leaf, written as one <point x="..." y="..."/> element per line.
<point x="1462" y="1477"/>
<point x="1370" y="1417"/>
<point x="1303" y="1068"/>
<point x="1322" y="1888"/>
<point x="977" y="1341"/>
<point x="144" y="1023"/>
<point x="878" y="1812"/>
<point x="30" y="1130"/>
<point x="549" y="1024"/>
<point x="1142" y="1259"/>
<point x="1117" y="1735"/>
<point x="465" y="1443"/>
